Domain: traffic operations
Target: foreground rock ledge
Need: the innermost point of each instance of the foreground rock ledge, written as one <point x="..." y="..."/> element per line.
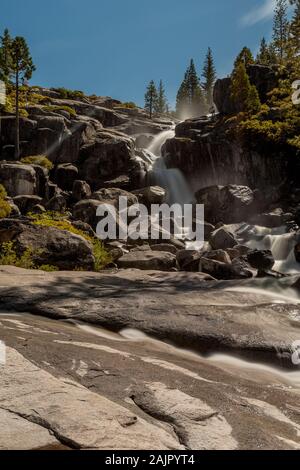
<point x="184" y="308"/>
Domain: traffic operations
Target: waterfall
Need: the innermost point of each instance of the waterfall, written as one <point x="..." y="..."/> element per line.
<point x="172" y="180"/>
<point x="281" y="244"/>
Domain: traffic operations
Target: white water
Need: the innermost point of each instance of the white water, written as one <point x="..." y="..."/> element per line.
<point x="255" y="371"/>
<point x="281" y="244"/>
<point x="172" y="180"/>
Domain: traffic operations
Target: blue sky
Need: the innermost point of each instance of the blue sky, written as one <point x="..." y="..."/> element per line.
<point x="114" y="47"/>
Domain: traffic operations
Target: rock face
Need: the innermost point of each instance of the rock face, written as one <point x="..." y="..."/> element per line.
<point x="229" y="204"/>
<point x="49" y="245"/>
<point x="109" y="156"/>
<point x="17" y="179"/>
<point x="207" y="156"/>
<point x="148" y="260"/>
<point x="263" y="77"/>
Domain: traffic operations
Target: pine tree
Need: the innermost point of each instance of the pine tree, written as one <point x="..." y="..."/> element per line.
<point x="263" y="54"/>
<point x="253" y="104"/>
<point x="294" y="33"/>
<point x="190" y="98"/>
<point x="245" y="56"/>
<point x="183" y="98"/>
<point x="151" y="98"/>
<point x="20" y="69"/>
<point x="209" y="75"/>
<point x="5" y="56"/>
<point x="244" y="95"/>
<point x="281" y="29"/>
<point x="161" y="105"/>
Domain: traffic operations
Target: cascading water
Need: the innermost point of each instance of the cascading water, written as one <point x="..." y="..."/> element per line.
<point x="280" y="243"/>
<point x="172" y="180"/>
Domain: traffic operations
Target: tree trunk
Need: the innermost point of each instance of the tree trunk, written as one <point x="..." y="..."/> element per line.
<point x="17" y="137"/>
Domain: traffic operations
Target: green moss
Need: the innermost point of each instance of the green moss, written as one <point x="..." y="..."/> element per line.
<point x="68" y="109"/>
<point x="41" y="160"/>
<point x="3" y="192"/>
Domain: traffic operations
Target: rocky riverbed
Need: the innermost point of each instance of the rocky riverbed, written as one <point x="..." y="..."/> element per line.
<point x="89" y="367"/>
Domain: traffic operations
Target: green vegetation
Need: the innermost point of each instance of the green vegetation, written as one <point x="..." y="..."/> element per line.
<point x="9" y="257"/>
<point x="277" y="120"/>
<point x="128" y="105"/>
<point x="5" y="208"/>
<point x="53" y="108"/>
<point x="41" y="160"/>
<point x="16" y="66"/>
<point x="69" y="94"/>
<point x="59" y="221"/>
<point x="151" y="98"/>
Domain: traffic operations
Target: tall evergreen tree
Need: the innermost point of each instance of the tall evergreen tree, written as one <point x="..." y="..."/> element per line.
<point x="183" y="98"/>
<point x="190" y="98"/>
<point x="244" y="95"/>
<point x="151" y="98"/>
<point x="281" y="29"/>
<point x="209" y="75"/>
<point x="294" y="33"/>
<point x="263" y="54"/>
<point x="245" y="56"/>
<point x="5" y="55"/>
<point x="161" y="104"/>
<point x="20" y="69"/>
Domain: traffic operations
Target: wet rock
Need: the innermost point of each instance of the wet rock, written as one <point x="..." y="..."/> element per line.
<point x="149" y="260"/>
<point x="297" y="252"/>
<point x="263" y="260"/>
<point x="222" y="239"/>
<point x="81" y="190"/>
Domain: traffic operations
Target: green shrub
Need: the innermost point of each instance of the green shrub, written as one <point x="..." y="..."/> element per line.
<point x="129" y="105"/>
<point x="68" y="109"/>
<point x="48" y="268"/>
<point x="41" y="160"/>
<point x="3" y="192"/>
<point x="9" y="257"/>
<point x="69" y="94"/>
<point x="5" y="209"/>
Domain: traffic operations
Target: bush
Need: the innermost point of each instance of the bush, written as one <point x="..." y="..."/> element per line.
<point x="3" y="192"/>
<point x="9" y="257"/>
<point x="41" y="160"/>
<point x="5" y="209"/>
<point x="129" y="105"/>
<point x="69" y="94"/>
<point x="68" y="109"/>
<point x="59" y="221"/>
